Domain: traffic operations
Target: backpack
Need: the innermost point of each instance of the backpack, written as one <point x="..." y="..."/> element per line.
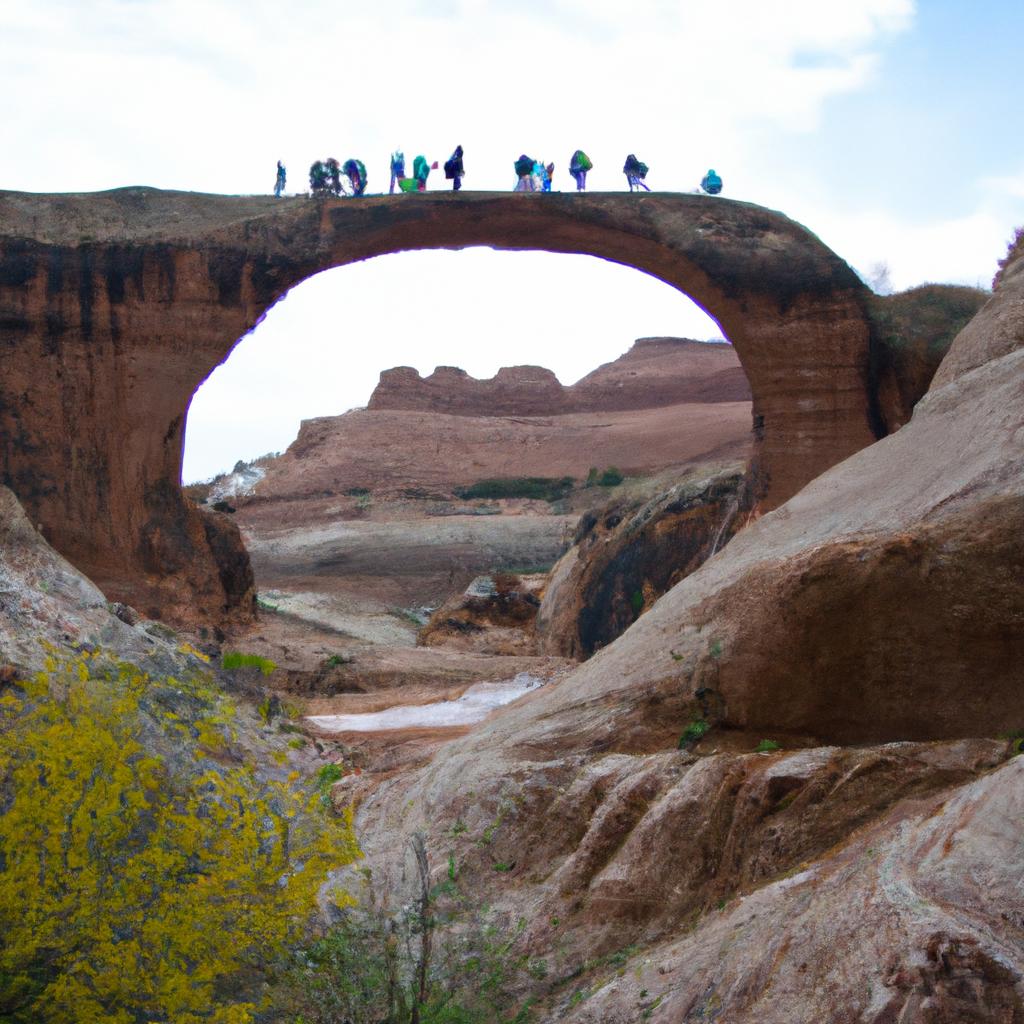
<point x="580" y="162"/>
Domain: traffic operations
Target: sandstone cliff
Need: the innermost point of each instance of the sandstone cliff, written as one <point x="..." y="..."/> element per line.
<point x="654" y="372"/>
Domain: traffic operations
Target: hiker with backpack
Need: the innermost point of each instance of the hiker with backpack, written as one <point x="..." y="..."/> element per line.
<point x="579" y="164"/>
<point x="281" y="176"/>
<point x="355" y="171"/>
<point x="635" y="172"/>
<point x="524" y="173"/>
<point x="453" y="169"/>
<point x="711" y="183"/>
<point x="420" y="172"/>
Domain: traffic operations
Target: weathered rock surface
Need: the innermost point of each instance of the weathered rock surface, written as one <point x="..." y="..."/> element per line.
<point x="394" y="453"/>
<point x="881" y="603"/>
<point x="917" y="919"/>
<point x="654" y="372"/>
<point x="495" y="615"/>
<point x="627" y="554"/>
<point x="45" y="601"/>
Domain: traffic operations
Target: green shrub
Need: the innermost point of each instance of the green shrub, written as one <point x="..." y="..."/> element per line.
<point x="328" y="775"/>
<point x="542" y="488"/>
<point x="766" y="746"/>
<point x="636" y="602"/>
<point x="611" y="477"/>
<point x="693" y="732"/>
<point x="235" y="660"/>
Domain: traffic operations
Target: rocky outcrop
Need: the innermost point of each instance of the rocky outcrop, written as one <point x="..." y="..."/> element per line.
<point x="432" y="454"/>
<point x="494" y="615"/>
<point x="629" y="553"/>
<point x="879" y="608"/>
<point x="912" y="332"/>
<point x="655" y="372"/>
<point x="46" y="604"/>
<point x="115" y="306"/>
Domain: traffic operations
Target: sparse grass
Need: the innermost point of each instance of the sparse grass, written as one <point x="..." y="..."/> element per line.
<point x="542" y="488"/>
<point x="236" y="659"/>
<point x="693" y="732"/>
<point x="610" y="477"/>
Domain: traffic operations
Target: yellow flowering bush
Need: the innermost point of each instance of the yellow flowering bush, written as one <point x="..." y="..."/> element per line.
<point x="136" y="886"/>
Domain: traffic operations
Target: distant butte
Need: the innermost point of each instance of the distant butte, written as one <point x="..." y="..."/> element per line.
<point x="655" y="372"/>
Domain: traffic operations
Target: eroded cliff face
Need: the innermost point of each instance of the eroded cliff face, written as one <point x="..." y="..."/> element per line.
<point x="629" y="553"/>
<point x="654" y="372"/>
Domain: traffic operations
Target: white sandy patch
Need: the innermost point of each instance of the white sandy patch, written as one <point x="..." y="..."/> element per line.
<point x="472" y="707"/>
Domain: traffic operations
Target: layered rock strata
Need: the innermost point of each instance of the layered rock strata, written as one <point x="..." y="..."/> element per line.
<point x="115" y="306"/>
<point x="654" y="372"/>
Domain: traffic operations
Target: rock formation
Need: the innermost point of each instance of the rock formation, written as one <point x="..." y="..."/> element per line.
<point x="880" y="608"/>
<point x="115" y="306"/>
<point x="664" y="403"/>
<point x="627" y="554"/>
<point x="654" y="372"/>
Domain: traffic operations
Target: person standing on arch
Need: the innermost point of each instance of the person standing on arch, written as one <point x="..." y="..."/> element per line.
<point x="282" y="174"/>
<point x="579" y="164"/>
<point x="635" y="172"/>
<point x="397" y="169"/>
<point x="454" y="170"/>
<point x="524" y="174"/>
<point x="711" y="183"/>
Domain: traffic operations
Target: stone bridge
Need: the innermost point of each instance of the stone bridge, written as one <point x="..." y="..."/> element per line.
<point x="116" y="306"/>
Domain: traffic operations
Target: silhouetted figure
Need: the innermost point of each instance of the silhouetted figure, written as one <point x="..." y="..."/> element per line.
<point x="397" y="169"/>
<point x="333" y="175"/>
<point x="319" y="178"/>
<point x="454" y="170"/>
<point x="524" y="173"/>
<point x="421" y="171"/>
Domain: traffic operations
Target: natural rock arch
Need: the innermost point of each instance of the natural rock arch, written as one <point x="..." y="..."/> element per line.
<point x="115" y="306"/>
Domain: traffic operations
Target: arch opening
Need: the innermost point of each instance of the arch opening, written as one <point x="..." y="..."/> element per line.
<point x="320" y="350"/>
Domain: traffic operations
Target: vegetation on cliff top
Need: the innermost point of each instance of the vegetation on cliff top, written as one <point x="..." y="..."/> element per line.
<point x="1014" y="251"/>
<point x="141" y="879"/>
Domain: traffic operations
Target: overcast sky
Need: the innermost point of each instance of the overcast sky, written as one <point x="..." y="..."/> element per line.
<point x="889" y="128"/>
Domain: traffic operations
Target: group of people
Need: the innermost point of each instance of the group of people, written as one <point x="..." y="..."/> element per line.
<point x="328" y="177"/>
